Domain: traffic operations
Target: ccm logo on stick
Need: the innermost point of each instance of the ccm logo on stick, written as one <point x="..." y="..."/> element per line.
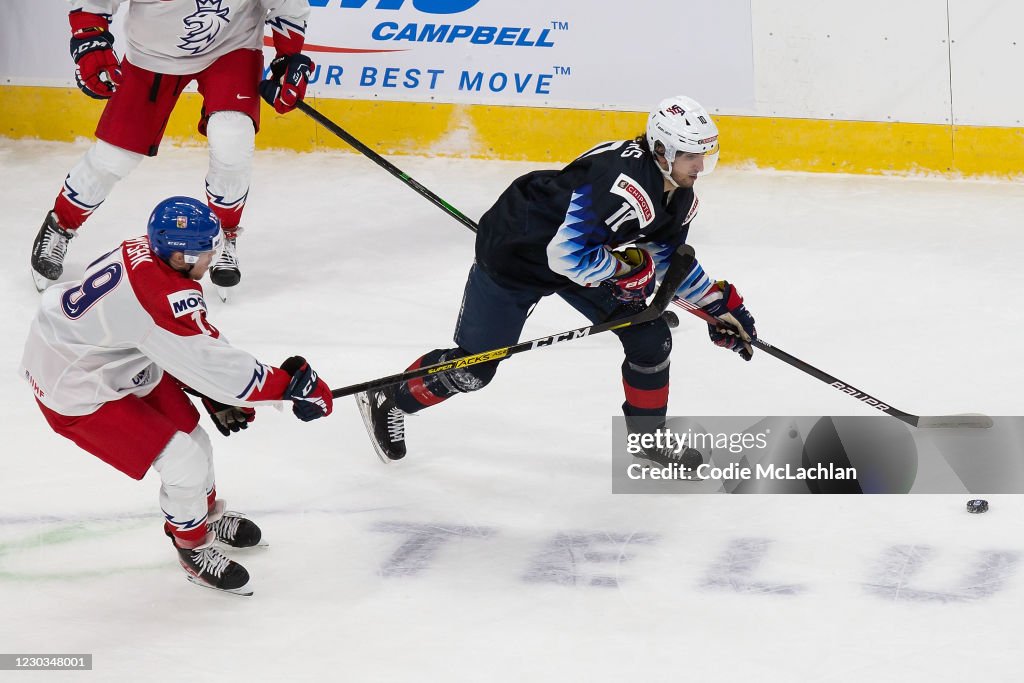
<point x="565" y="336"/>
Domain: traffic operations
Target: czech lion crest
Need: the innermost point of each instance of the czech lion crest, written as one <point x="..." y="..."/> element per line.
<point x="203" y="25"/>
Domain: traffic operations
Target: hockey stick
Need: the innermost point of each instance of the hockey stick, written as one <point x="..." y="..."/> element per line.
<point x="679" y="266"/>
<point x="386" y="165"/>
<point x="973" y="421"/>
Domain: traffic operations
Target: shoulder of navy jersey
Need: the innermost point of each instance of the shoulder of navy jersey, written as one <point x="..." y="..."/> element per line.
<point x="625" y="157"/>
<point x="628" y="190"/>
<point x="612" y="197"/>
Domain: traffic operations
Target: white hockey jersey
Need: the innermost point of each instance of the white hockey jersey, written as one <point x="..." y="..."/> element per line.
<point x="131" y="318"/>
<point x="185" y="36"/>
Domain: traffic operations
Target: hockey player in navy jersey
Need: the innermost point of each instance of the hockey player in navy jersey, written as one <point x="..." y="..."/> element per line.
<point x="171" y="43"/>
<point x="111" y="357"/>
<point x="595" y="233"/>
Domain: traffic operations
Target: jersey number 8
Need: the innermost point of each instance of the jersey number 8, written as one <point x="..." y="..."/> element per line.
<point x="76" y="302"/>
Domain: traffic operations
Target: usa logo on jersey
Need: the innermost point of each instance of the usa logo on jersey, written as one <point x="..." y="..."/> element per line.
<point x="203" y="25"/>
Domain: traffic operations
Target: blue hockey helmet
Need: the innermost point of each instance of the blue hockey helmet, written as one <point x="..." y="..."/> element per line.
<point x="186" y="225"/>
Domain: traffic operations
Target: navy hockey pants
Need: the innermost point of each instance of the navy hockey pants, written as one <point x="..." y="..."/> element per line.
<point x="493" y="316"/>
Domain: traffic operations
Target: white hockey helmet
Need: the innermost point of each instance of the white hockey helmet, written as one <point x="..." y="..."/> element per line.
<point x="680" y="124"/>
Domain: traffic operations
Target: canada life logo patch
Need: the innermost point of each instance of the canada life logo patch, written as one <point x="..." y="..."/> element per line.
<point x="630" y="190"/>
<point x="186" y="302"/>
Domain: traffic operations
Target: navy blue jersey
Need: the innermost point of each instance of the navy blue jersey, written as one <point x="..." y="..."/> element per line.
<point x="553" y="229"/>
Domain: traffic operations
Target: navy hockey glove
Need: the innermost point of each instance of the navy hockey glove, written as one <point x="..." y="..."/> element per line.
<point x="634" y="279"/>
<point x="289" y="76"/>
<point x="310" y="395"/>
<point x="98" y="72"/>
<point x="228" y="419"/>
<point x="736" y="325"/>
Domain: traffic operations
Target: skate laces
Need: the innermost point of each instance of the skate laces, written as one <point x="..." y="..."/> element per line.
<point x="227" y="527"/>
<point x="55" y="245"/>
<point x="228" y="256"/>
<point x="396" y="424"/>
<point x="210" y="561"/>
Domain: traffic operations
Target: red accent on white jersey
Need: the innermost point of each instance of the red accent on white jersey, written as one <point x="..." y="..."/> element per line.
<point x="288" y="39"/>
<point x="185" y="36"/>
<point x="131" y="318"/>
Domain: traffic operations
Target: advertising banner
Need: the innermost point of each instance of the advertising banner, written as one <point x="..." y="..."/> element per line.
<point x="584" y="55"/>
<point x="609" y="55"/>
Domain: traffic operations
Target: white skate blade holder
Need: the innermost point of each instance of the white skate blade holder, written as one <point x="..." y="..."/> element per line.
<point x="39" y="281"/>
<point x="364" y="412"/>
<point x="245" y="590"/>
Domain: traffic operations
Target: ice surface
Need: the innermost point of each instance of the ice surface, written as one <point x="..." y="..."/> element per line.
<point x="496" y="552"/>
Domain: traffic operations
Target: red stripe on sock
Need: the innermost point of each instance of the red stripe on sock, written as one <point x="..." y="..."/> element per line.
<point x="69" y="216"/>
<point x="229" y="218"/>
<point x="419" y="390"/>
<point x="190" y="538"/>
<point x="649" y="399"/>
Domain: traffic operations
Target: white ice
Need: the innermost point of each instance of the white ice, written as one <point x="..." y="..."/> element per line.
<point x="495" y="551"/>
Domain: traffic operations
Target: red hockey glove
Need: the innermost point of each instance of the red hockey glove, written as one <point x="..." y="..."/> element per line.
<point x="736" y="325"/>
<point x="228" y="419"/>
<point x="289" y="75"/>
<point x="98" y="72"/>
<point x="634" y="279"/>
<point x="310" y="395"/>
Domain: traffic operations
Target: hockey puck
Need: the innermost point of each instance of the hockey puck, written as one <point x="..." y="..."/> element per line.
<point x="692" y="459"/>
<point x="671" y="319"/>
<point x="977" y="506"/>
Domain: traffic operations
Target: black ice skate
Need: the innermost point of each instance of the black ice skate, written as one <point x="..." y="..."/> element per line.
<point x="233" y="528"/>
<point x="685" y="461"/>
<point x="48" y="251"/>
<point x="225" y="272"/>
<point x="208" y="567"/>
<point x="384" y="421"/>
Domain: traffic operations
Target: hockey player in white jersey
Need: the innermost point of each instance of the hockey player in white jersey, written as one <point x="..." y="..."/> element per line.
<point x="110" y="358"/>
<point x="218" y="44"/>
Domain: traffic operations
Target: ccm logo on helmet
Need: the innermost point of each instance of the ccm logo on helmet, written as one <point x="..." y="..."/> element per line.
<point x="186" y="302"/>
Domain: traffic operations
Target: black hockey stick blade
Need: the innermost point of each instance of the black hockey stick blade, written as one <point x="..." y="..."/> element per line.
<point x="679" y="267"/>
<point x="973" y="421"/>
